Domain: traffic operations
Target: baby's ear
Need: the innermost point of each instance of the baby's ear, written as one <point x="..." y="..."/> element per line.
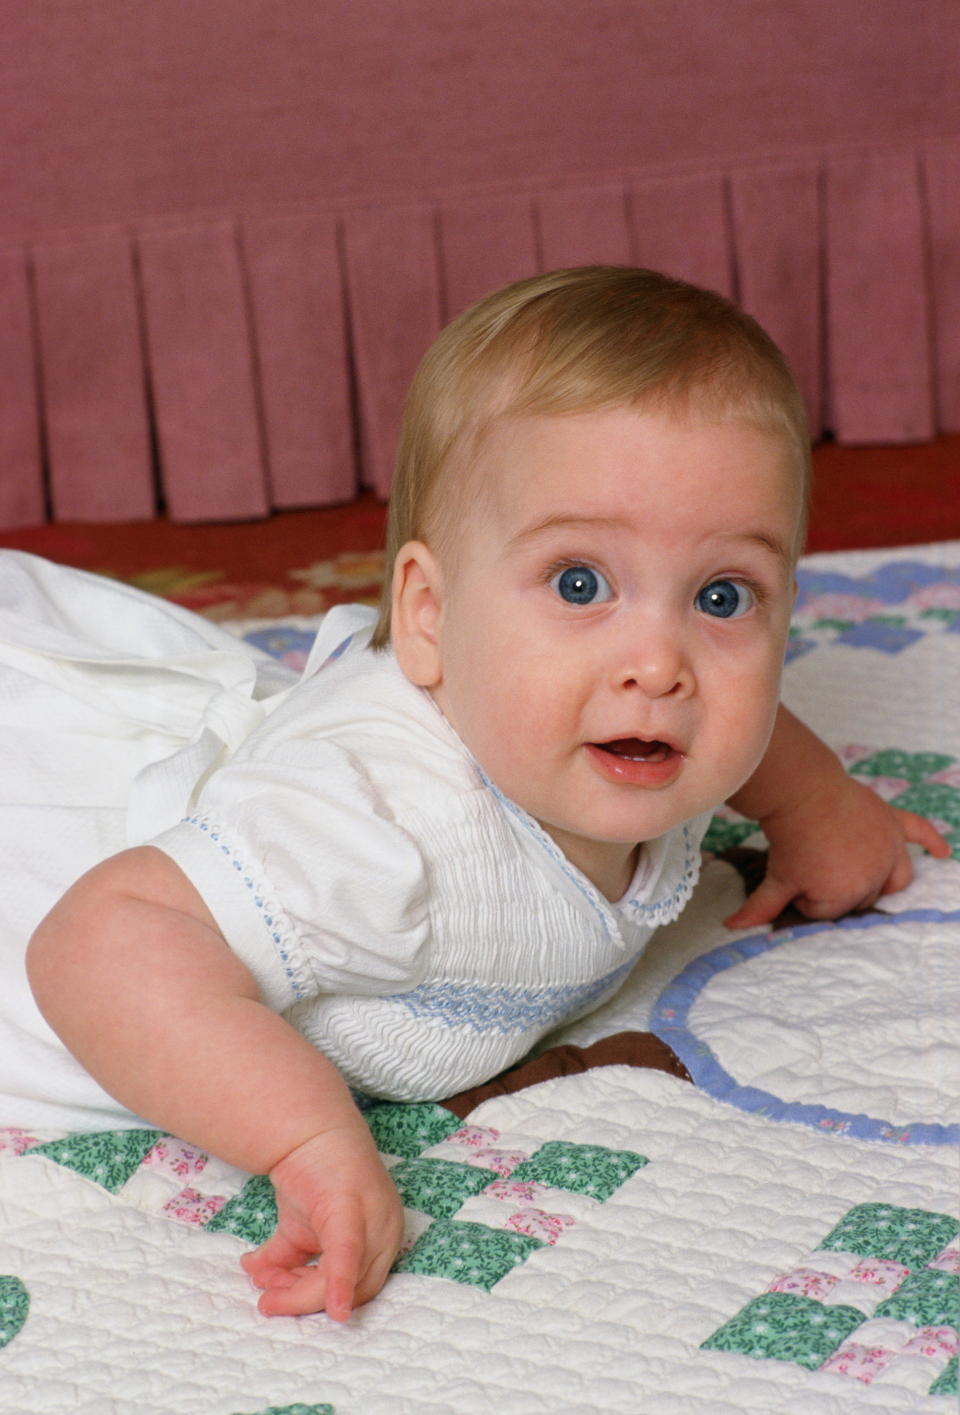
<point x="415" y="614"/>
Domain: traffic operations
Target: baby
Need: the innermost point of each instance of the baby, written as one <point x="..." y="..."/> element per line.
<point x="463" y="824"/>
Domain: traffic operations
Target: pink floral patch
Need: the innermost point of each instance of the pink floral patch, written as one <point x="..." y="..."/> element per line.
<point x="537" y="1223"/>
<point x="949" y="1260"/>
<point x="189" y="1206"/>
<point x="806" y="1282"/>
<point x="855" y="752"/>
<point x="933" y="1341"/>
<point x="176" y="1158"/>
<point x="474" y="1135"/>
<point x="502" y="1162"/>
<point x="522" y="1191"/>
<point x="864" y="1363"/>
<point x="16" y="1142"/>
<point x="942" y="596"/>
<point x="852" y="607"/>
<point x="879" y="1272"/>
<point x="950" y="776"/>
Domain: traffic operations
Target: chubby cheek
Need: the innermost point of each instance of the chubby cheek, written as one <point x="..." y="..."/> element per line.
<point x="746" y="721"/>
<point x="504" y="702"/>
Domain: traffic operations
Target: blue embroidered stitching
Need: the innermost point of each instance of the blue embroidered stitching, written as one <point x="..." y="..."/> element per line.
<point x="682" y="890"/>
<point x="504" y="1009"/>
<point x="550" y="848"/>
<point x="271" y="915"/>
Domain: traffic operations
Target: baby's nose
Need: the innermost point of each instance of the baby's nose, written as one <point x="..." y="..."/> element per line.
<point x="657" y="667"/>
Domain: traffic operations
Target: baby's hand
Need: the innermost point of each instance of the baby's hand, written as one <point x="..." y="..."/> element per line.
<point x="839" y="849"/>
<point x="337" y="1203"/>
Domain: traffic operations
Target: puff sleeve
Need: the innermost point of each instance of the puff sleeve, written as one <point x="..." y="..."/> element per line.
<point x="315" y="886"/>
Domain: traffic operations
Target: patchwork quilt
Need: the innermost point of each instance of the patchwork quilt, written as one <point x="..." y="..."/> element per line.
<point x="783" y="1235"/>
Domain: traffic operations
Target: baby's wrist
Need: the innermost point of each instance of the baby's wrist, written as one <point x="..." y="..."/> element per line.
<point x="346" y="1132"/>
<point x="810" y="803"/>
<point x="810" y="794"/>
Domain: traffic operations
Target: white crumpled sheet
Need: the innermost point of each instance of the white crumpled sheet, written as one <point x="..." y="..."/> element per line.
<point x="782" y="1238"/>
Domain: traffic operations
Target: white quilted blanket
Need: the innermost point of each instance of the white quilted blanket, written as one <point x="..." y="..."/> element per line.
<point x="783" y="1237"/>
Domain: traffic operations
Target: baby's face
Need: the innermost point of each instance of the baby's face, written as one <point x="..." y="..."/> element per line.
<point x="613" y="620"/>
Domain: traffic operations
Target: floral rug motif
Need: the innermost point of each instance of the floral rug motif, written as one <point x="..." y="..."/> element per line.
<point x="350" y="577"/>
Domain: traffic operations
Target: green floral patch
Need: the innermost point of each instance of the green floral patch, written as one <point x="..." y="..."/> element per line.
<point x="781" y="1326"/>
<point x="438" y="1187"/>
<point x="912" y="1237"/>
<point x="14" y="1306"/>
<point x="928" y="1299"/>
<point x="948" y="1381"/>
<point x="406" y="1130"/>
<point x="840" y="626"/>
<point x="470" y="1253"/>
<point x="914" y="767"/>
<point x="592" y="1170"/>
<point x="108" y="1158"/>
<point x="931" y="798"/>
<point x="297" y="1409"/>
<point x="935" y="799"/>
<point x="251" y="1215"/>
<point x="724" y="834"/>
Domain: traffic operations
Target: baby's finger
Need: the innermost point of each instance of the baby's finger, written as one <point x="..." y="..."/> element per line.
<point x="769" y="899"/>
<point x="342" y="1242"/>
<point x="920" y="831"/>
<point x="329" y="1285"/>
<point x="266" y="1264"/>
<point x="342" y="1267"/>
<point x="372" y="1280"/>
<point x="302" y="1292"/>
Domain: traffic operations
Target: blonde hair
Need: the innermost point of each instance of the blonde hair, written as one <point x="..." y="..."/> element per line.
<point x="571" y="341"/>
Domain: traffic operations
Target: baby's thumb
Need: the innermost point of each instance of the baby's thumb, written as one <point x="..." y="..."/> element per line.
<point x="767" y="901"/>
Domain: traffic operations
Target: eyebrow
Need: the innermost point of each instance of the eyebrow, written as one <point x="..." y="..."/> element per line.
<point x="769" y="542"/>
<point x="562" y="521"/>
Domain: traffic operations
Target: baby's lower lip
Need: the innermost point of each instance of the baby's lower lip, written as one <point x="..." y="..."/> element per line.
<point x="633" y="761"/>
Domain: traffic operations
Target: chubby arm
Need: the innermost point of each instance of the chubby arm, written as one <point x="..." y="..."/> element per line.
<point x="132" y="972"/>
<point x="835" y="845"/>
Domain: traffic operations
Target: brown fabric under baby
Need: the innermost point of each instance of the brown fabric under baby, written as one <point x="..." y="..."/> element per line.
<point x="624" y="1049"/>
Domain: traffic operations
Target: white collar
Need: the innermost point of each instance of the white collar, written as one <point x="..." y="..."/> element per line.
<point x="663" y="881"/>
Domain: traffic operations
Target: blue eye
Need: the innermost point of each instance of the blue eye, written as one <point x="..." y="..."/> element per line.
<point x="578" y="584"/>
<point x="725" y="599"/>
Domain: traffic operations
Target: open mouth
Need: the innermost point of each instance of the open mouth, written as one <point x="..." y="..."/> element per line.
<point x="635" y="749"/>
<point x="637" y="761"/>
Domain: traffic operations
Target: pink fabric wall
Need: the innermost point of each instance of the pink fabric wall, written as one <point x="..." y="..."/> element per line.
<point x="228" y="231"/>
